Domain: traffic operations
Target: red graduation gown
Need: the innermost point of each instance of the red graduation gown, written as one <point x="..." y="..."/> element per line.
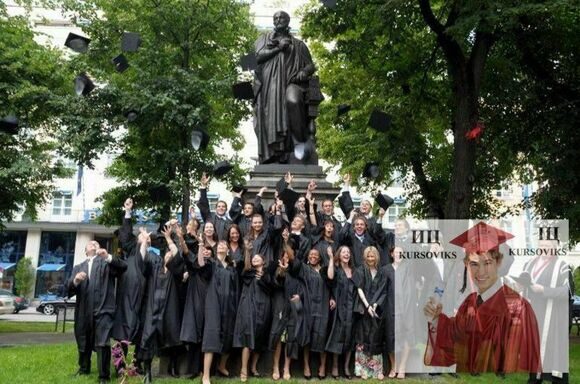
<point x="499" y="336"/>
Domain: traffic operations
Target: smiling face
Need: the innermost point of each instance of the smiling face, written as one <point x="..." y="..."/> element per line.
<point x="328" y="228"/>
<point x="400" y="228"/>
<point x="208" y="230"/>
<point x="360" y="226"/>
<point x="301" y="204"/>
<point x="327" y="207"/>
<point x="344" y="255"/>
<point x="483" y="268"/>
<point x="221" y="207"/>
<point x="371" y="256"/>
<point x="365" y="207"/>
<point x="257" y="223"/>
<point x="297" y="224"/>
<point x="314" y="257"/>
<point x="248" y="209"/>
<point x="192" y="227"/>
<point x="234" y="235"/>
<point x="257" y="261"/>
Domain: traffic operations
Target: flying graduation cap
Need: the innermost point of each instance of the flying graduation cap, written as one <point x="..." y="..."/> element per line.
<point x="240" y="189"/>
<point x="130" y="42"/>
<point x="83" y="84"/>
<point x="371" y="171"/>
<point x="199" y="140"/>
<point x="379" y="120"/>
<point x="121" y="63"/>
<point x="249" y="62"/>
<point x="329" y="3"/>
<point x="9" y="125"/>
<point x="243" y="91"/>
<point x="131" y="115"/>
<point x="221" y="168"/>
<point x="384" y="201"/>
<point x="342" y="109"/>
<point x="77" y="43"/>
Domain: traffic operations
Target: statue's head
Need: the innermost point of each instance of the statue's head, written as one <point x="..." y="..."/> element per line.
<point x="281" y="21"/>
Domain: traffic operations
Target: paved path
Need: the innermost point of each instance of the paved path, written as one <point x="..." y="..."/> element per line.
<point x="29" y="314"/>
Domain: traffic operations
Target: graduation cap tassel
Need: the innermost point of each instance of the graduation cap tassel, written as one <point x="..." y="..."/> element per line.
<point x="464" y="280"/>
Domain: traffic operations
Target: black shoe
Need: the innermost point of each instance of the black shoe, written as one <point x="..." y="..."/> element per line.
<point x="172" y="369"/>
<point x="254" y="374"/>
<point x="335" y="377"/>
<point x="307" y="377"/>
<point x="321" y="377"/>
<point x="348" y="377"/>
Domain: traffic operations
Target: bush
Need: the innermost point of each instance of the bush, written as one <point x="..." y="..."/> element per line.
<point x="24" y="277"/>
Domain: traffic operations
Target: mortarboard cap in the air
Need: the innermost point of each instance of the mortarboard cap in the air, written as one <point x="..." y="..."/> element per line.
<point x="384" y="201"/>
<point x="342" y="109"/>
<point x="481" y="238"/>
<point x="329" y="3"/>
<point x="77" y="43"/>
<point x="248" y="62"/>
<point x="83" y="84"/>
<point x="371" y="171"/>
<point x="9" y="125"/>
<point x="121" y="63"/>
<point x="243" y="91"/>
<point x="221" y="168"/>
<point x="199" y="139"/>
<point x="379" y="121"/>
<point x="159" y="193"/>
<point x="130" y="42"/>
<point x="131" y="115"/>
<point x="239" y="189"/>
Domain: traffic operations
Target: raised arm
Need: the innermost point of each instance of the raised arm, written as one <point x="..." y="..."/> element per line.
<point x="203" y="203"/>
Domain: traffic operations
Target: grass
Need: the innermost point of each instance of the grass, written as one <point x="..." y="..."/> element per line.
<point x="56" y="364"/>
<point x="24" y="326"/>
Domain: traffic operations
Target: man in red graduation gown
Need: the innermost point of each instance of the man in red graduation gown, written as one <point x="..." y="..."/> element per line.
<point x="495" y="329"/>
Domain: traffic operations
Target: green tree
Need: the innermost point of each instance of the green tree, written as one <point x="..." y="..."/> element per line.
<point x="32" y="78"/>
<point x="442" y="69"/>
<point x="24" y="277"/>
<point x="180" y="80"/>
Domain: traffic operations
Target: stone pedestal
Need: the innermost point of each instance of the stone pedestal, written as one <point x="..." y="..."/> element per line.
<point x="267" y="175"/>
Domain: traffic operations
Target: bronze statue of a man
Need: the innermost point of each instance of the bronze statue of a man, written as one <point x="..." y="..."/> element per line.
<point x="287" y="96"/>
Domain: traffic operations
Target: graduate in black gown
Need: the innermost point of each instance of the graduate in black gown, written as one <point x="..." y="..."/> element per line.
<point x="355" y="234"/>
<point x="235" y="244"/>
<point x="253" y="319"/>
<point x="194" y="312"/>
<point x="262" y="238"/>
<point x="389" y="312"/>
<point x="241" y="214"/>
<point x="289" y="320"/>
<point x="340" y="342"/>
<point x="130" y="286"/>
<point x="318" y="304"/>
<point x="162" y="321"/>
<point x="221" y="305"/>
<point x="220" y="219"/>
<point x="368" y="330"/>
<point x="93" y="283"/>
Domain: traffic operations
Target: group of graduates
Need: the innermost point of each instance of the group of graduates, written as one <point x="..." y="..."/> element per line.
<point x="289" y="279"/>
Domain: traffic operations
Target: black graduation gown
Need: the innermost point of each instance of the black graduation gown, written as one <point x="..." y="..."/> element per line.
<point x="162" y="313"/>
<point x="95" y="301"/>
<point x="317" y="297"/>
<point x="348" y="238"/>
<point x="368" y="330"/>
<point x="302" y="245"/>
<point x="264" y="243"/>
<point x="253" y="319"/>
<point x="237" y="215"/>
<point x="221" y="225"/>
<point x="194" y="310"/>
<point x="344" y="291"/>
<point x="130" y="288"/>
<point x="389" y="309"/>
<point x="322" y="246"/>
<point x="221" y="305"/>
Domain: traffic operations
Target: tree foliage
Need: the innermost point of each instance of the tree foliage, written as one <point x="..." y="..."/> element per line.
<point x="441" y="69"/>
<point x="24" y="277"/>
<point x="32" y="78"/>
<point x="179" y="80"/>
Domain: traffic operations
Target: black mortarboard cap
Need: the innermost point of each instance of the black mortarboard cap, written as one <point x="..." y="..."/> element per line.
<point x="121" y="63"/>
<point x="243" y="91"/>
<point x="239" y="189"/>
<point x="329" y="3"/>
<point x="248" y="62"/>
<point x="159" y="193"/>
<point x="83" y="85"/>
<point x="342" y="109"/>
<point x="380" y="121"/>
<point x="199" y="140"/>
<point x="130" y="42"/>
<point x="131" y="115"/>
<point x="221" y="168"/>
<point x="384" y="201"/>
<point x="9" y="125"/>
<point x="371" y="171"/>
<point x="77" y="43"/>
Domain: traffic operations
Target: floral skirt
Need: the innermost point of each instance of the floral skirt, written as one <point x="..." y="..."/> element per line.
<point x="367" y="366"/>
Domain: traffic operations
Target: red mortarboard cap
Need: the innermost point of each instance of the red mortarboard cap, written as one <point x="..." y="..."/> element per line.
<point x="481" y="238"/>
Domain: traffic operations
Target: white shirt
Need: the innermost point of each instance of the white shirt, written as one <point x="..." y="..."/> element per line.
<point x="491" y="290"/>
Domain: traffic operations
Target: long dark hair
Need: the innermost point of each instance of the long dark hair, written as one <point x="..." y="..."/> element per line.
<point x="228" y="258"/>
<point x="240" y="239"/>
<point x="214" y="238"/>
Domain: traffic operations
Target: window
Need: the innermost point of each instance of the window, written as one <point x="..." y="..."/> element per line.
<point x="395" y="212"/>
<point x="62" y="203"/>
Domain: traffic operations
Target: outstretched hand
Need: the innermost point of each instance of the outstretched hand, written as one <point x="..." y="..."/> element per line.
<point x="204" y="180"/>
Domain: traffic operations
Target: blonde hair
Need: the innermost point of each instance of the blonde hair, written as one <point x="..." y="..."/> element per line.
<point x="375" y="251"/>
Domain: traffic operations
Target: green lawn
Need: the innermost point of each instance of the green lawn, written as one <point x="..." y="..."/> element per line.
<point x="23" y="326"/>
<point x="56" y="364"/>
